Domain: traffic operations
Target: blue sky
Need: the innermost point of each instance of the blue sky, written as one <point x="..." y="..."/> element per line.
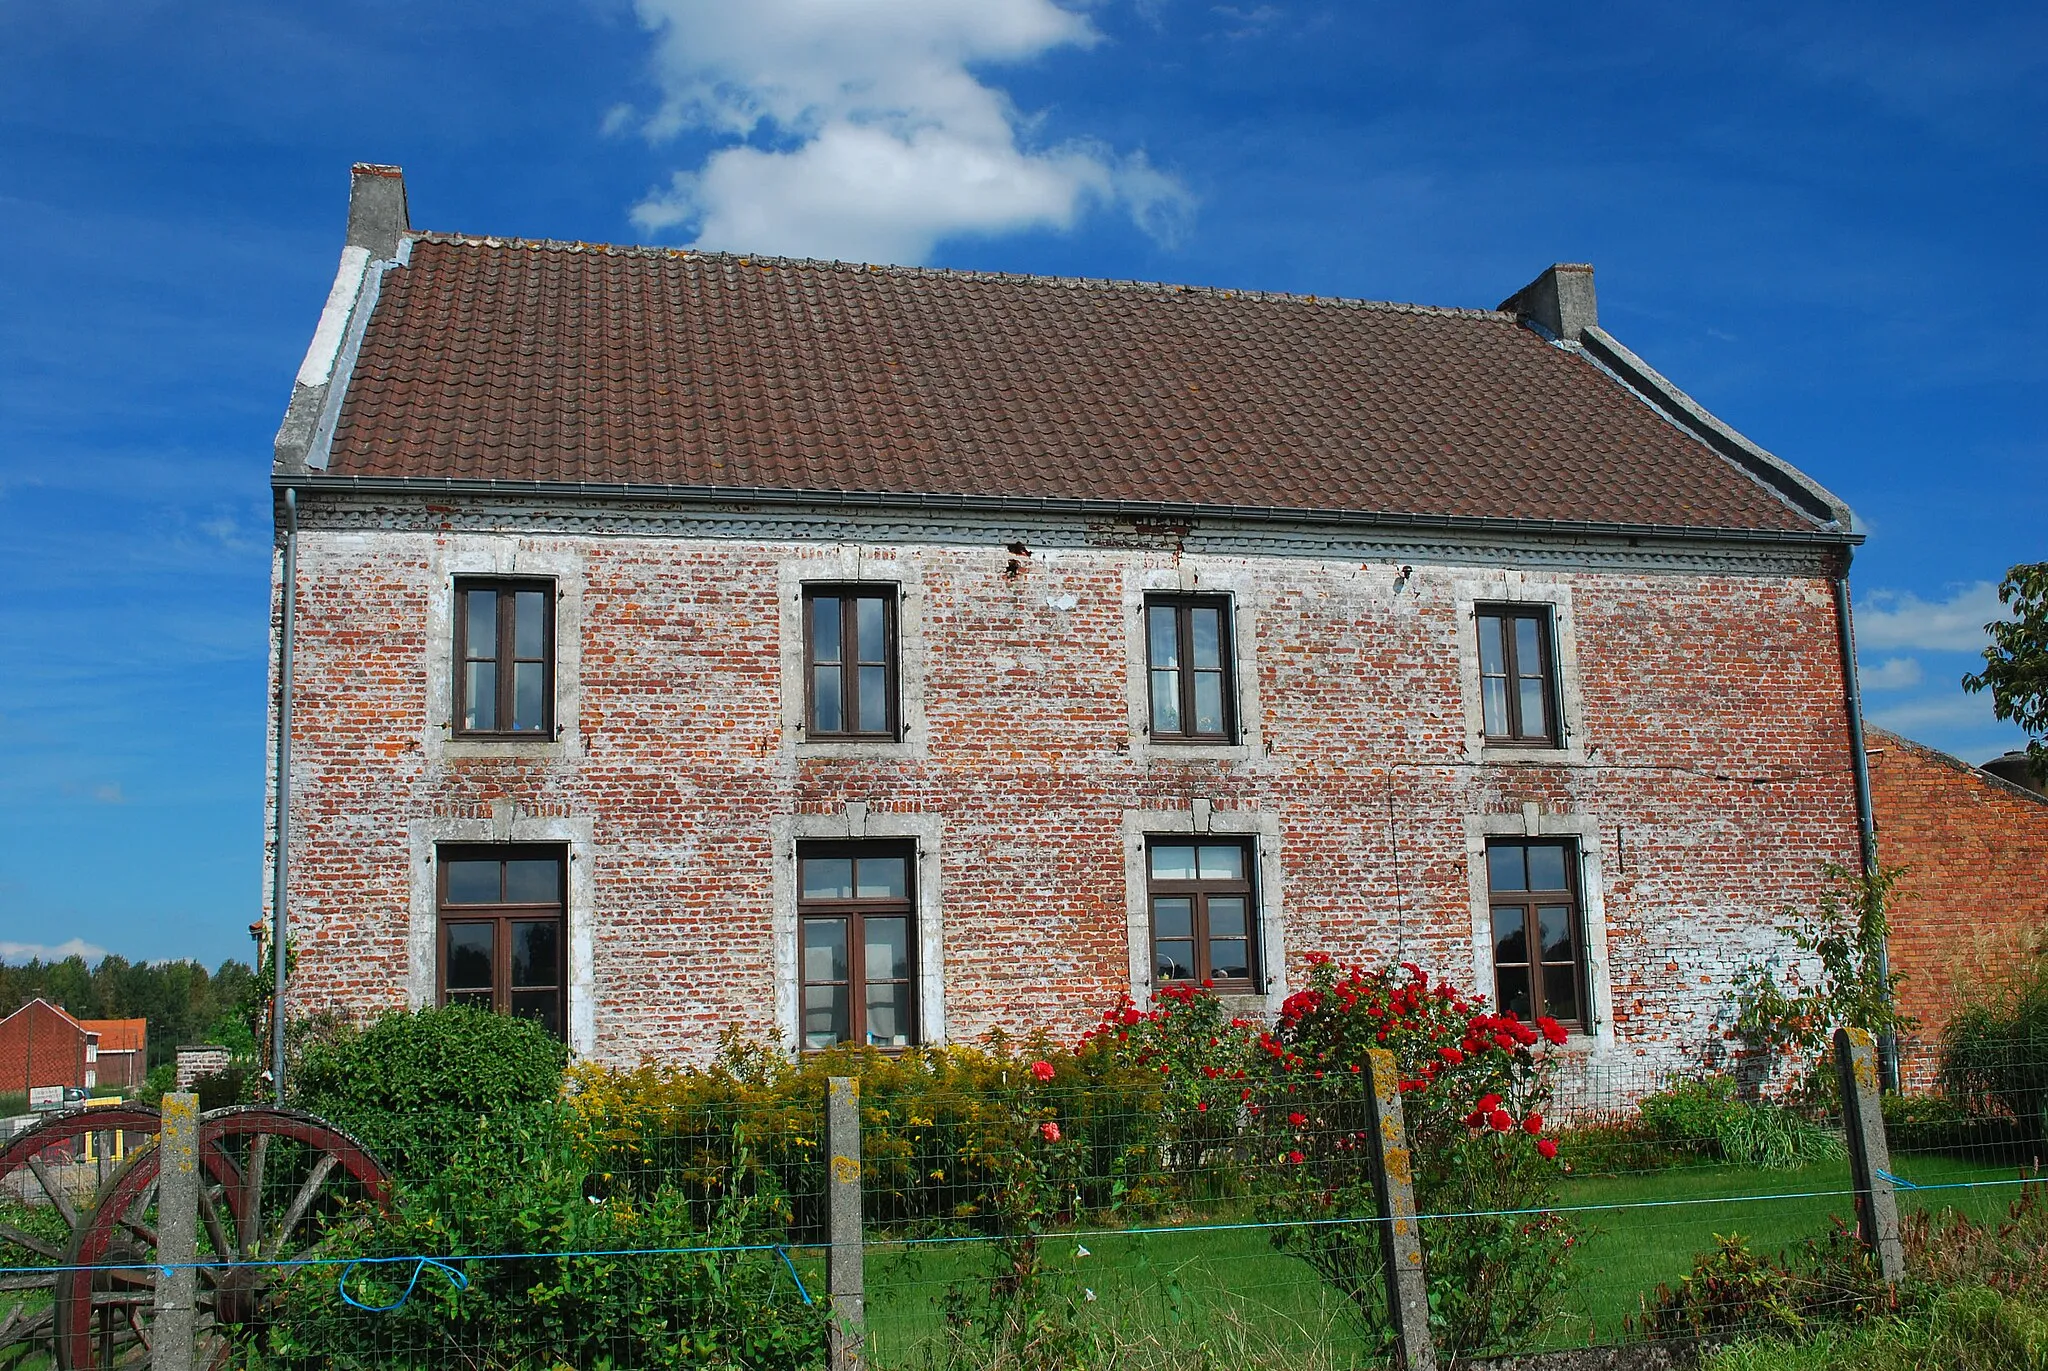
<point x="1824" y="222"/>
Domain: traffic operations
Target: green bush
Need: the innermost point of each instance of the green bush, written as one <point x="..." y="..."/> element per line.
<point x="1994" y="1053"/>
<point x="1733" y="1291"/>
<point x="1936" y="1123"/>
<point x="1968" y="1329"/>
<point x="1690" y="1116"/>
<point x="1702" y="1120"/>
<point x="412" y="1086"/>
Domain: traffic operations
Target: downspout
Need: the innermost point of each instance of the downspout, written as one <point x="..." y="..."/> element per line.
<point x="1866" y="822"/>
<point x="281" y="866"/>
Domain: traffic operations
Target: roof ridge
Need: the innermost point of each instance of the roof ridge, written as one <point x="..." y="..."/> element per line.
<point x="953" y="273"/>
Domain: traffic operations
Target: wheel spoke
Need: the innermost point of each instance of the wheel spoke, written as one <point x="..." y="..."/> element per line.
<point x="9" y="1233"/>
<point x="249" y="1223"/>
<point x="301" y="1202"/>
<point x="54" y="1190"/>
<point x="209" y="1212"/>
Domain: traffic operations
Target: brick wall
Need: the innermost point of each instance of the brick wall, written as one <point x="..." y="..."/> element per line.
<point x="1975" y="893"/>
<point x="1710" y="770"/>
<point x="41" y="1046"/>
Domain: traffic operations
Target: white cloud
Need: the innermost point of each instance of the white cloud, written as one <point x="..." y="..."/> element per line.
<point x="1894" y="620"/>
<point x="861" y="130"/>
<point x="1896" y="673"/>
<point x="75" y="947"/>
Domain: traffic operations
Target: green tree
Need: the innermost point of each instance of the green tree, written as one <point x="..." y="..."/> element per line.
<point x="2016" y="664"/>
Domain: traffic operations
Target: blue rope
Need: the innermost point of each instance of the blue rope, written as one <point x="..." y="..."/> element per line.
<point x="419" y="1264"/>
<point x="1900" y="1181"/>
<point x="783" y="1253"/>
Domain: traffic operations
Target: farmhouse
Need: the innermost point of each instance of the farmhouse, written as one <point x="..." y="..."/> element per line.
<point x="682" y="641"/>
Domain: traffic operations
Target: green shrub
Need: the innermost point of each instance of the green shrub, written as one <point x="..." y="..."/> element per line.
<point x="1936" y="1123"/>
<point x="1994" y="1053"/>
<point x="1690" y="1116"/>
<point x="1968" y="1329"/>
<point x="1733" y="1291"/>
<point x="1702" y="1120"/>
<point x="412" y="1086"/>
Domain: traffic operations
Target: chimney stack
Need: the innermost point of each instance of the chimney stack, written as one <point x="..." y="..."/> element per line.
<point x="1560" y="300"/>
<point x="377" y="215"/>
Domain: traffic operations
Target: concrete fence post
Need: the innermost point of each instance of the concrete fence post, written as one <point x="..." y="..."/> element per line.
<point x="845" y="1274"/>
<point x="1870" y="1158"/>
<point x="1393" y="1173"/>
<point x="177" y="1234"/>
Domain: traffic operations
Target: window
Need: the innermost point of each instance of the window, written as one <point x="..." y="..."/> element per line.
<point x="1517" y="674"/>
<point x="501" y="930"/>
<point x="505" y="658"/>
<point x="1538" y="946"/>
<point x="1201" y="898"/>
<point x="1188" y="662"/>
<point x="854" y="905"/>
<point x="850" y="661"/>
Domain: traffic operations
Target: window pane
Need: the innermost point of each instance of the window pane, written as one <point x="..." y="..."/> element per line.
<point x="889" y="1015"/>
<point x="544" y="1007"/>
<point x="825" y="628"/>
<point x="1174" y="961"/>
<point x="537" y="953"/>
<point x="1528" y="649"/>
<point x="1173" y="918"/>
<point x="867" y="619"/>
<point x="1535" y="720"/>
<point x="528" y="711"/>
<point x="472" y="882"/>
<point x="1173" y="862"/>
<point x="1226" y="916"/>
<point x="1561" y="992"/>
<point x="827" y="878"/>
<point x="1546" y="868"/>
<point x="825" y="699"/>
<point x="1227" y="959"/>
<point x="1511" y="991"/>
<point x="882" y="878"/>
<point x="874" y="699"/>
<point x="480" y="696"/>
<point x="1163" y="635"/>
<point x="1554" y="929"/>
<point x="1223" y="863"/>
<point x="528" y="639"/>
<point x="467" y="957"/>
<point x="824" y="1015"/>
<point x="1208" y="638"/>
<point x="1493" y="703"/>
<point x="1166" y="702"/>
<point x="1510" y="935"/>
<point x="482" y="624"/>
<point x="887" y="943"/>
<point x="533" y="881"/>
<point x="824" y="949"/>
<point x="1208" y="702"/>
<point x="1504" y="870"/>
<point x="1492" y="661"/>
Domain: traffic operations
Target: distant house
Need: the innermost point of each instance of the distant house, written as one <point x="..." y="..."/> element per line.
<point x="41" y="1045"/>
<point x="123" y="1050"/>
<point x="1974" y="898"/>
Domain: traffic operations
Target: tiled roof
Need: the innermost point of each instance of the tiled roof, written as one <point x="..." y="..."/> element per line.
<point x="530" y="361"/>
<point x="118" y="1035"/>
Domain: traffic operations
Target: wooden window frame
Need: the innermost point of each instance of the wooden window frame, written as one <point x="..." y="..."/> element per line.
<point x="505" y="587"/>
<point x="1183" y="606"/>
<point x="502" y="914"/>
<point x="849" y="596"/>
<point x="855" y="912"/>
<point x="1200" y="890"/>
<point x="1545" y="619"/>
<point x="1528" y="902"/>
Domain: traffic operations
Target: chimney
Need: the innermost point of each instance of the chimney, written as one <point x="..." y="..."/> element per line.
<point x="376" y="209"/>
<point x="1560" y="300"/>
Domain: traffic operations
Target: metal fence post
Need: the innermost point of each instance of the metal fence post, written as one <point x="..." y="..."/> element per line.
<point x="1393" y="1174"/>
<point x="1870" y="1158"/>
<point x="177" y="1233"/>
<point x="844" y="1268"/>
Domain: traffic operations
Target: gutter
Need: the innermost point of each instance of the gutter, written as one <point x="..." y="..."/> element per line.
<point x="281" y="866"/>
<point x="1866" y="818"/>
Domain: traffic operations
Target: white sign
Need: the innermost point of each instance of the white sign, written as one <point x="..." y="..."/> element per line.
<point x="46" y="1097"/>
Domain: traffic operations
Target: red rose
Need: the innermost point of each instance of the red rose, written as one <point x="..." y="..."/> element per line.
<point x="1501" y="1120"/>
<point x="1488" y="1103"/>
<point x="1297" y="1119"/>
<point x="1533" y="1124"/>
<point x="1296" y="1158"/>
<point x="1050" y="1131"/>
<point x="1547" y="1149"/>
<point x="1451" y="1055"/>
<point x="1042" y="1070"/>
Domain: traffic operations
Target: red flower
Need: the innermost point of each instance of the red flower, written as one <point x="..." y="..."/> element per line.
<point x="1202" y="1107"/>
<point x="1552" y="1030"/>
<point x="1547" y="1149"/>
<point x="1533" y="1124"/>
<point x="1296" y="1158"/>
<point x="1050" y="1131"/>
<point x="1500" y="1119"/>
<point x="1488" y="1103"/>
<point x="1297" y="1118"/>
<point x="1042" y="1070"/>
<point x="1451" y="1055"/>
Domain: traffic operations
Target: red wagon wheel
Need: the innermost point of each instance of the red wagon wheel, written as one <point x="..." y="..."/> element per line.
<point x="279" y="1186"/>
<point x="51" y="1173"/>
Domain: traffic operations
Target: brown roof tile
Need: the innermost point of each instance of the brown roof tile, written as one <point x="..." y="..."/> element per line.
<point x="501" y="359"/>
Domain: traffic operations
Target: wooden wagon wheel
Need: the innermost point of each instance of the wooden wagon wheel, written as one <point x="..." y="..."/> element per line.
<point x="278" y="1184"/>
<point x="43" y="1159"/>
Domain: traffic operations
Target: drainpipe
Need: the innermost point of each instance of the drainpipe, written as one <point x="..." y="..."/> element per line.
<point x="281" y="866"/>
<point x="1866" y="822"/>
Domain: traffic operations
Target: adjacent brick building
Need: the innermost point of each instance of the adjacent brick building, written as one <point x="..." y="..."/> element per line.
<point x="41" y="1045"/>
<point x="686" y="641"/>
<point x="1973" y="902"/>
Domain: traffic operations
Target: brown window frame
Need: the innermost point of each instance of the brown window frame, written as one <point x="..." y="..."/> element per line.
<point x="1183" y="606"/>
<point x="1529" y="902"/>
<point x="854" y="913"/>
<point x="505" y="587"/>
<point x="1199" y="891"/>
<point x="1518" y="733"/>
<point x="501" y="914"/>
<point x="849" y="597"/>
